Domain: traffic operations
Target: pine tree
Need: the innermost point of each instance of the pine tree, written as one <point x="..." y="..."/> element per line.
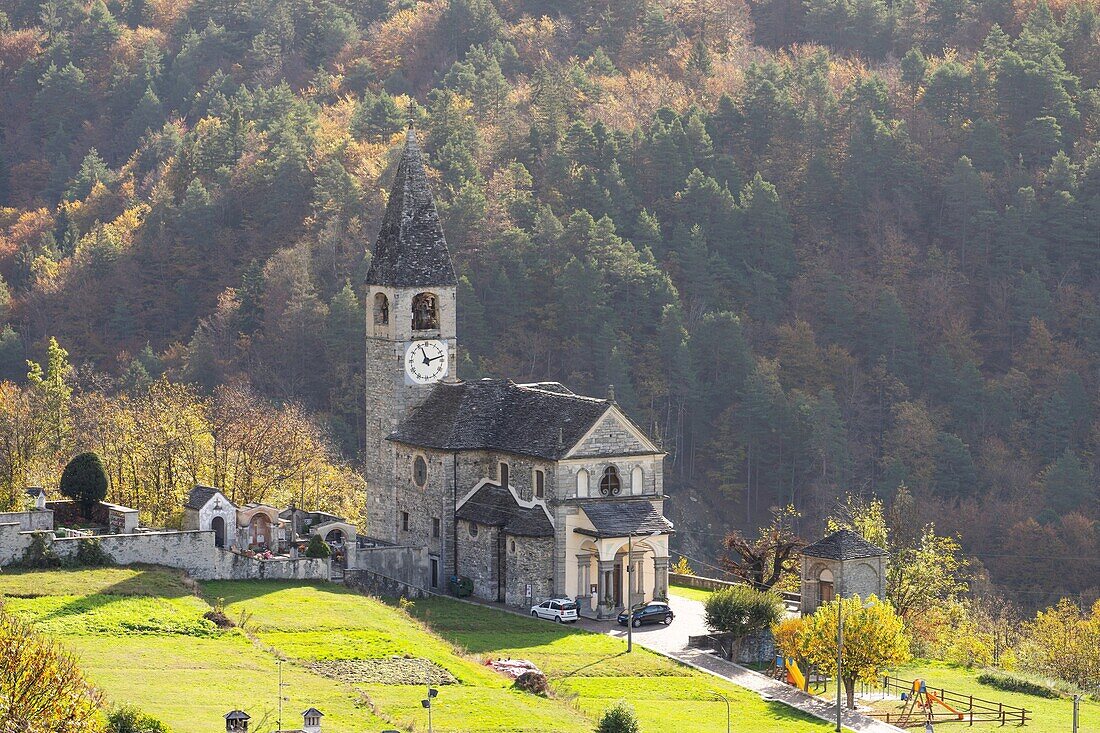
<point x="52" y="386"/>
<point x="699" y="61"/>
<point x="955" y="474"/>
<point x="1068" y="484"/>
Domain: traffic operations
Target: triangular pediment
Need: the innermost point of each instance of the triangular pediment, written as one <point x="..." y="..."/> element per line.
<point x="613" y="434"/>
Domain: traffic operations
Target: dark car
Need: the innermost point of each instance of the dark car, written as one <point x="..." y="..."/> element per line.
<point x="654" y="612"/>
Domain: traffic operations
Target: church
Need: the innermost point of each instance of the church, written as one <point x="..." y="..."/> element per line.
<point x="530" y="490"/>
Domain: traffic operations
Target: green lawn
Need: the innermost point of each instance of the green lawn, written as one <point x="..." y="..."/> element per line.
<point x="1050" y="716"/>
<point x="595" y="671"/>
<point x="141" y="636"/>
<point x="694" y="594"/>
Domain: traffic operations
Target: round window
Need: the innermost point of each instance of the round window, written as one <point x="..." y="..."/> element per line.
<point x="420" y="471"/>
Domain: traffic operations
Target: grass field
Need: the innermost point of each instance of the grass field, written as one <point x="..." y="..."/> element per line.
<point x="141" y="636"/>
<point x="694" y="594"/>
<point x="1049" y="716"/>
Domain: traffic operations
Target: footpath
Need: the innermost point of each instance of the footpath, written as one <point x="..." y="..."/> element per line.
<point x="672" y="641"/>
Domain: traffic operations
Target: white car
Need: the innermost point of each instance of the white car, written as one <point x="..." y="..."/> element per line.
<point x="562" y="610"/>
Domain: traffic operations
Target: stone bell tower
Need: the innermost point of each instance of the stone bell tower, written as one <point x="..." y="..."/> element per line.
<point x="411" y="326"/>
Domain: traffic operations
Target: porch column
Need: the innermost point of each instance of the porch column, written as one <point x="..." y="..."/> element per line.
<point x="637" y="579"/>
<point x="660" y="578"/>
<point x="584" y="582"/>
<point x="607" y="592"/>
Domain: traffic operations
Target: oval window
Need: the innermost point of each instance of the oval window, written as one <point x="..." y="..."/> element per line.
<point x="512" y="547"/>
<point x="420" y="471"/>
<point x="473" y="529"/>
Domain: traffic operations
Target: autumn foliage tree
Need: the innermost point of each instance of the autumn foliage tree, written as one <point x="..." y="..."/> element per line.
<point x="765" y="561"/>
<point x="42" y="690"/>
<point x="874" y="640"/>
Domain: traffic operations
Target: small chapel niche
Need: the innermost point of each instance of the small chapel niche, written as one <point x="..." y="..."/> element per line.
<point x="425" y="312"/>
<point x="381" y="310"/>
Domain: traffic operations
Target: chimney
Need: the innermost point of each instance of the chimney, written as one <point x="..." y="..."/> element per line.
<point x="311" y="720"/>
<point x="236" y="721"/>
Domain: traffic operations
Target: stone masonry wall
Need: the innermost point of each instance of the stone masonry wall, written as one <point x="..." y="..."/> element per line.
<point x="405" y="564"/>
<point x="192" y="552"/>
<point x="477" y="558"/>
<point x="30" y="520"/>
<point x="529" y="560"/>
<point x="435" y="500"/>
<point x="376" y="584"/>
<point x="13" y="542"/>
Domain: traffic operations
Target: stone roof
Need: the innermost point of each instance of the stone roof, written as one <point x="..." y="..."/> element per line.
<point x="844" y="544"/>
<point x="497" y="507"/>
<point x="498" y="414"/>
<point x="411" y="250"/>
<point x="620" y="518"/>
<point x="313" y="713"/>
<point x="199" y="496"/>
<point x="35" y="491"/>
<point x="237" y="715"/>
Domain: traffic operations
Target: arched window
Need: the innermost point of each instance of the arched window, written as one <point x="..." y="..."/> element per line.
<point x="825" y="591"/>
<point x="582" y="483"/>
<point x="425" y="312"/>
<point x="505" y="478"/>
<point x="420" y="471"/>
<point x="610" y="485"/>
<point x="381" y="310"/>
<point x="473" y="529"/>
<point x="637" y="479"/>
<point x="538" y="481"/>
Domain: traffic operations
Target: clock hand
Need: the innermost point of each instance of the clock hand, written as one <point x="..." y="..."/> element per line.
<point x="434" y="358"/>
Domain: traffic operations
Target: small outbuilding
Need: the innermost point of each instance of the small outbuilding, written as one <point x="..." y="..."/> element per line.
<point x="236" y="721"/>
<point x="840" y="565"/>
<point x="208" y="508"/>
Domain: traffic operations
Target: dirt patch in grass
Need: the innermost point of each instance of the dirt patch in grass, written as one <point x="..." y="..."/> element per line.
<point x="392" y="671"/>
<point x="219" y="619"/>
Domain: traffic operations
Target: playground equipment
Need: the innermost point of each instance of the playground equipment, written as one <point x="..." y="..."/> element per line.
<point x="922" y="705"/>
<point x="788" y="668"/>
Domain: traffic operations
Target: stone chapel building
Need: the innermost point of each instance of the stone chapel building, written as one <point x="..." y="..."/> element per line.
<point x="530" y="490"/>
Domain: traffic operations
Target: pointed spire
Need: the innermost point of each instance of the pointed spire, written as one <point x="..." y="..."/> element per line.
<point x="411" y="250"/>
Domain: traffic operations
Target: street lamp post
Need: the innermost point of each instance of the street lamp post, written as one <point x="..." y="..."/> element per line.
<point x="840" y="652"/>
<point x="726" y="700"/>
<point x="427" y="703"/>
<point x="839" y="655"/>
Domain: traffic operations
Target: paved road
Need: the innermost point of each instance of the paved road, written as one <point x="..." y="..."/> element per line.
<point x="672" y="641"/>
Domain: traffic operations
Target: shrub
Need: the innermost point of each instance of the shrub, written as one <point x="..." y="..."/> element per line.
<point x="318" y="548"/>
<point x="619" y="718"/>
<point x="131" y="720"/>
<point x="41" y="688"/>
<point x="84" y="480"/>
<point x="533" y="682"/>
<point x="90" y="553"/>
<point x="39" y="555"/>
<point x="740" y="611"/>
<point x="1026" y="686"/>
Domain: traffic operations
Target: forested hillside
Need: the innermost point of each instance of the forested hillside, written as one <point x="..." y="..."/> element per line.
<point x="816" y="246"/>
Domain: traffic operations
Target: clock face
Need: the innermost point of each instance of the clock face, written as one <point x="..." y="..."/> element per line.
<point x="425" y="361"/>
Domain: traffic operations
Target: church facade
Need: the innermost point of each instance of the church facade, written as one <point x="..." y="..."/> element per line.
<point x="529" y="490"/>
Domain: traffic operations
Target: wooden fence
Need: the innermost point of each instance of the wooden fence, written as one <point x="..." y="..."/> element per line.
<point x="968" y="709"/>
